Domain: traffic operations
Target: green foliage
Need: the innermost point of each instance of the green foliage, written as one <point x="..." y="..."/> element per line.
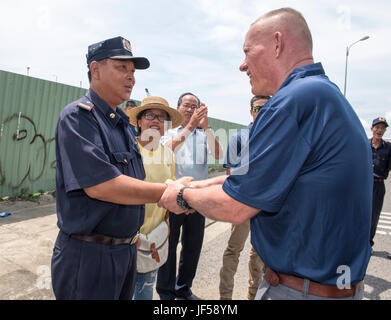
<point x="25" y="195"/>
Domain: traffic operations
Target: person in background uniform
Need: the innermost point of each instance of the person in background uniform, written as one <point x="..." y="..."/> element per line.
<point x="308" y="187"/>
<point x="381" y="157"/>
<point x="130" y="104"/>
<point x="240" y="232"/>
<point x="99" y="182"/>
<point x="190" y="142"/>
<point x="150" y="118"/>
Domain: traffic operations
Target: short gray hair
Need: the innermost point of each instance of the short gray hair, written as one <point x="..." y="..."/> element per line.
<point x="306" y="33"/>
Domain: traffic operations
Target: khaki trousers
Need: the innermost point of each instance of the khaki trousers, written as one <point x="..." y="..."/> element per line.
<point x="239" y="234"/>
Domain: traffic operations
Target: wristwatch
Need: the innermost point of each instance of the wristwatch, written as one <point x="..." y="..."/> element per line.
<point x="182" y="202"/>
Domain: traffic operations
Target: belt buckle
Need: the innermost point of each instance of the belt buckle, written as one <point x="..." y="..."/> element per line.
<point x="135" y="238"/>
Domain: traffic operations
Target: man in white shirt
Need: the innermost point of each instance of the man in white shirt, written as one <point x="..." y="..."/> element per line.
<point x="191" y="142"/>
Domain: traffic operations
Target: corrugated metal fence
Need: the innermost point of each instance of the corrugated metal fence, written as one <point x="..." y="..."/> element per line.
<point x="29" y="110"/>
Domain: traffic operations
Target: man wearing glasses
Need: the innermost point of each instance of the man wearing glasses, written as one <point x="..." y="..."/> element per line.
<point x="237" y="156"/>
<point x="191" y="142"/>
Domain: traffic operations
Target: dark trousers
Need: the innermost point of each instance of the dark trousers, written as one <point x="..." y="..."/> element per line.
<point x="379" y="191"/>
<point x="84" y="270"/>
<point x="168" y="284"/>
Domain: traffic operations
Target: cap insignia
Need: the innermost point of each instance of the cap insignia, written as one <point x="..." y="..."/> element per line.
<point x="126" y="44"/>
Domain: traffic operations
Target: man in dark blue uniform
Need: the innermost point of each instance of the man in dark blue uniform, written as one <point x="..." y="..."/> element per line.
<point x="381" y="156"/>
<point x="99" y="187"/>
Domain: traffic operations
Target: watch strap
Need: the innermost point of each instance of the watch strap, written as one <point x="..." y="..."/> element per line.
<point x="182" y="202"/>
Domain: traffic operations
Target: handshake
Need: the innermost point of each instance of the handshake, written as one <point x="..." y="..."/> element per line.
<point x="169" y="197"/>
<point x="205" y="200"/>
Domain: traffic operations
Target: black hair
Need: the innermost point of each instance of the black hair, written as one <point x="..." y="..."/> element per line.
<point x="185" y="94"/>
<point x="255" y="98"/>
<point x="89" y="71"/>
<point x="131" y="102"/>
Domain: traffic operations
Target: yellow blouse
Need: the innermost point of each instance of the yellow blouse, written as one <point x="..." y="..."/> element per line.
<point x="159" y="166"/>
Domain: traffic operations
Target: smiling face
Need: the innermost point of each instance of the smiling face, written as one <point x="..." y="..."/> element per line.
<point x="378" y="131"/>
<point x="113" y="80"/>
<point x="145" y="122"/>
<point x="258" y="62"/>
<point x="188" y="105"/>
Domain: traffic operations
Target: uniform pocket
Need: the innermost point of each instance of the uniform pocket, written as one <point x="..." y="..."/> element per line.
<point x="130" y="164"/>
<point x="123" y="161"/>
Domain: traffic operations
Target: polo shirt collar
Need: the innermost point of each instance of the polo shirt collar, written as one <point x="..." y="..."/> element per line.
<point x="113" y="117"/>
<point x="302" y="72"/>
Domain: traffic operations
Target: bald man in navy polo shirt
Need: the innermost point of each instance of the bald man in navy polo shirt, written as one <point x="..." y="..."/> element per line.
<point x="309" y="184"/>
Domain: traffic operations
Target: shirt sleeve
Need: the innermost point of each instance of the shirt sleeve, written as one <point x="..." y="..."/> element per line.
<point x="232" y="152"/>
<point x="276" y="153"/>
<point x="80" y="148"/>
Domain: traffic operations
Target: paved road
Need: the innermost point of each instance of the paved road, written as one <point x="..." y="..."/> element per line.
<point x="27" y="238"/>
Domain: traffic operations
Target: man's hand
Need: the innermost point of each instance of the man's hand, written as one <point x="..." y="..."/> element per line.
<point x="168" y="199"/>
<point x="198" y="117"/>
<point x="186" y="181"/>
<point x="203" y="122"/>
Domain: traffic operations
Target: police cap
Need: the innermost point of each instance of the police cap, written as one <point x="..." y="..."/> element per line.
<point x="115" y="48"/>
<point x="379" y="120"/>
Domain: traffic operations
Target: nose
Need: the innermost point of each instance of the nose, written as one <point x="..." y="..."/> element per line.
<point x="132" y="78"/>
<point x="156" y="119"/>
<point x="243" y="67"/>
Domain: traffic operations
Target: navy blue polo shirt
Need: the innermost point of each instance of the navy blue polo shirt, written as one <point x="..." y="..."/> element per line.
<point x="381" y="158"/>
<point x="93" y="147"/>
<point x="310" y="174"/>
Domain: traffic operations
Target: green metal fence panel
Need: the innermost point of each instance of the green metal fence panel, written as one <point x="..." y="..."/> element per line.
<point x="29" y="110"/>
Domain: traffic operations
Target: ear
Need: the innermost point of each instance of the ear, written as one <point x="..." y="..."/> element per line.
<point x="278" y="43"/>
<point x="95" y="70"/>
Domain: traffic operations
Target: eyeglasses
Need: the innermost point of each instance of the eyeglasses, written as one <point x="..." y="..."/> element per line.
<point x="151" y="116"/>
<point x="256" y="108"/>
<point x="190" y="106"/>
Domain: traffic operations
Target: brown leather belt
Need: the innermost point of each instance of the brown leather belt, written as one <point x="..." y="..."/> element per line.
<point x="101" y="239"/>
<point x="315" y="288"/>
<point x="378" y="180"/>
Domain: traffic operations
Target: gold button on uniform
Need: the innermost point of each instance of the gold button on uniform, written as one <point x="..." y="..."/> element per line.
<point x="126" y="161"/>
<point x="112" y="115"/>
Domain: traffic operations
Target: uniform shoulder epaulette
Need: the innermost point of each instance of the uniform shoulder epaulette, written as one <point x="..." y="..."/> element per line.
<point x="86" y="105"/>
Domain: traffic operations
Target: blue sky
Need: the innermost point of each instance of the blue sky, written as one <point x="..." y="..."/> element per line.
<point x="197" y="46"/>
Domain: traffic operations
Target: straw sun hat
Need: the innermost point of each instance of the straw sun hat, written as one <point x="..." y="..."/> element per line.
<point x="155" y="103"/>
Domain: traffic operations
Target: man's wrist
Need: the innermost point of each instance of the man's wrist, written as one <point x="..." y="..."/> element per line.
<point x="191" y="127"/>
<point x="182" y="202"/>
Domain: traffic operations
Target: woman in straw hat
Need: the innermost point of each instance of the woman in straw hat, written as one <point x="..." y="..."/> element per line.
<point x="152" y="118"/>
